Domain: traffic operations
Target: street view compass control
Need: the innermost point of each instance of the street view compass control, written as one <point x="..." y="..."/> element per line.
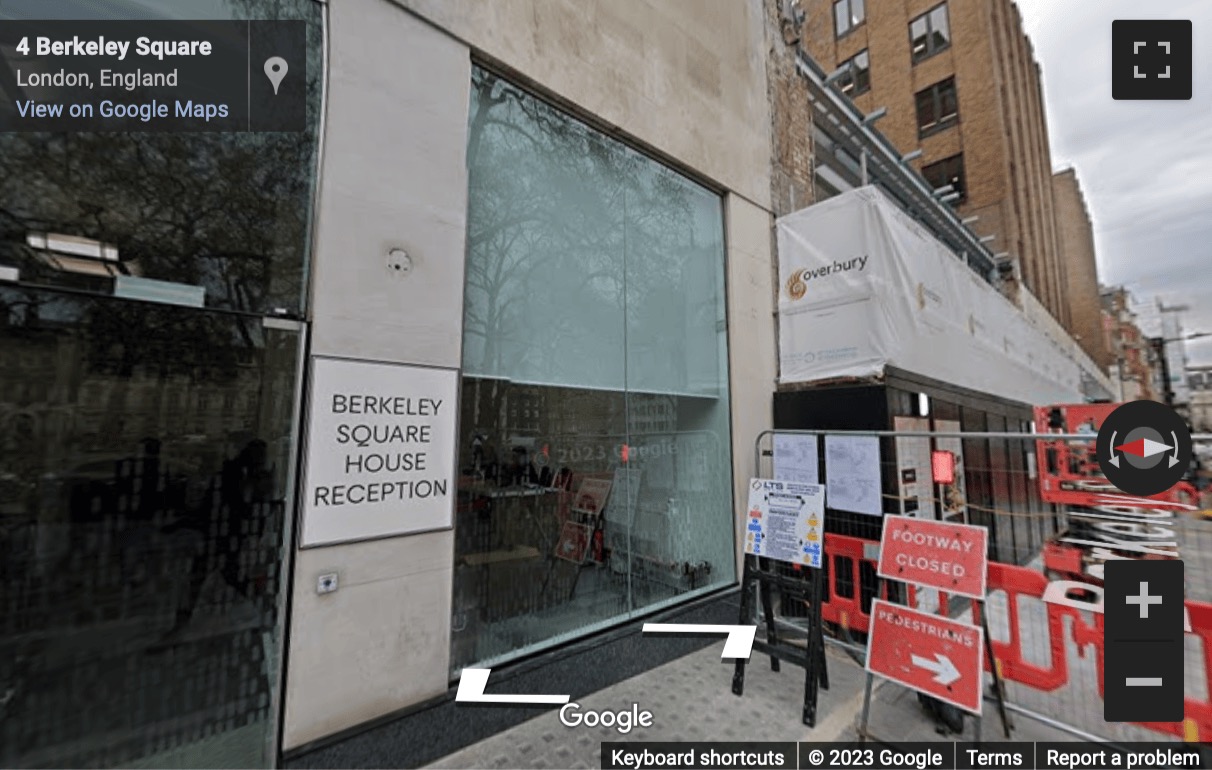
<point x="1144" y="448"/>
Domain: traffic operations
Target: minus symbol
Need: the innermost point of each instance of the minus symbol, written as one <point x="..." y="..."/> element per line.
<point x="1143" y="681"/>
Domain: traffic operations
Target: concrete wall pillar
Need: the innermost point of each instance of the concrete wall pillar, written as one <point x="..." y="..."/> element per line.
<point x="393" y="176"/>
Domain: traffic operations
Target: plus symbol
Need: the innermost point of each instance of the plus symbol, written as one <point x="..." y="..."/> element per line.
<point x="1144" y="599"/>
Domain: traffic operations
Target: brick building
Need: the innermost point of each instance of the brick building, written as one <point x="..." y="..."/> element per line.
<point x="1076" y="236"/>
<point x="1132" y="356"/>
<point x="960" y="83"/>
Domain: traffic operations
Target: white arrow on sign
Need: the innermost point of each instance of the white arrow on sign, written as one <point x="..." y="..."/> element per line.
<point x="471" y="690"/>
<point x="944" y="670"/>
<point x="740" y="638"/>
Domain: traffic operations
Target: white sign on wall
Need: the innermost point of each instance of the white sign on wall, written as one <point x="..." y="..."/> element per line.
<point x="380" y="450"/>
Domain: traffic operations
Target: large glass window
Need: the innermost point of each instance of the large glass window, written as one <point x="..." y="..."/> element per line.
<point x="595" y="460"/>
<point x="145" y="448"/>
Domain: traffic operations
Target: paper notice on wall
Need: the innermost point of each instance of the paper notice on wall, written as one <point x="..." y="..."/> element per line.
<point x="786" y="521"/>
<point x="852" y="474"/>
<point x="380" y="450"/>
<point x="955" y="496"/>
<point x="913" y="467"/>
<point x="796" y="458"/>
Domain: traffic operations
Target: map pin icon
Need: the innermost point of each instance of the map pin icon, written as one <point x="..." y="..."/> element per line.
<point x="275" y="70"/>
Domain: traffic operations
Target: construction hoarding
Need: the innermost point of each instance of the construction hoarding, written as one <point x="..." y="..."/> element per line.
<point x="863" y="287"/>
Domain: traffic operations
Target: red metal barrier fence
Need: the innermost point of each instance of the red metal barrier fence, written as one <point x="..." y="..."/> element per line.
<point x="1017" y="582"/>
<point x="1045" y="570"/>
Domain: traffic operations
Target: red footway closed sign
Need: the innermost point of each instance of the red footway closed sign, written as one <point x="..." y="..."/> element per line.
<point x="928" y="653"/>
<point x="949" y="557"/>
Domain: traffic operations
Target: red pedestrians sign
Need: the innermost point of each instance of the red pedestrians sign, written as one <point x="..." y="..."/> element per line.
<point x="949" y="557"/>
<point x="928" y="653"/>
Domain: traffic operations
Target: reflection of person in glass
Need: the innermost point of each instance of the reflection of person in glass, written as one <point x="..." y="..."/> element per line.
<point x="246" y="482"/>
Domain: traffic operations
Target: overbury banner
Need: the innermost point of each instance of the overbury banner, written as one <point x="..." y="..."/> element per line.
<point x="863" y="287"/>
<point x="786" y="521"/>
<point x="380" y="450"/>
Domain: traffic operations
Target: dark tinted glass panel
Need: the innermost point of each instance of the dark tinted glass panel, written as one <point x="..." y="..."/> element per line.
<point x="948" y="172"/>
<point x="862" y="66"/>
<point x="926" y="114"/>
<point x="144" y="455"/>
<point x="937" y="107"/>
<point x="145" y="449"/>
<point x="948" y="104"/>
<point x="857" y="79"/>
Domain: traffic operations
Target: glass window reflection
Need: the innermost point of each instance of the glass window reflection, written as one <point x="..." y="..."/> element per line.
<point x="145" y="447"/>
<point x="595" y="469"/>
<point x="223" y="214"/>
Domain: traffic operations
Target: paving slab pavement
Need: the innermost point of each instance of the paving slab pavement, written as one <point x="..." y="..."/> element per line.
<point x="691" y="700"/>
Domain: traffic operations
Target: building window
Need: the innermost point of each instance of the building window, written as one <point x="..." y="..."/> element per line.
<point x="848" y="14"/>
<point x="858" y="79"/>
<point x="937" y="107"/>
<point x="949" y="171"/>
<point x="595" y="448"/>
<point x="930" y="33"/>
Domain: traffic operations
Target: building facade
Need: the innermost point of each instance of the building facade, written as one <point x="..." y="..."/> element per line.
<point x="1134" y="369"/>
<point x="1199" y="380"/>
<point x="1162" y="326"/>
<point x="493" y="196"/>
<point x="960" y="84"/>
<point x="1076" y="234"/>
<point x="541" y="233"/>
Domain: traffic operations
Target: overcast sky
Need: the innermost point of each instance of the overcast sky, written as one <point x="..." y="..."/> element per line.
<point x="1145" y="166"/>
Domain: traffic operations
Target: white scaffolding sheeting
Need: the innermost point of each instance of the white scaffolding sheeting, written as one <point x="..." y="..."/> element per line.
<point x="863" y="287"/>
